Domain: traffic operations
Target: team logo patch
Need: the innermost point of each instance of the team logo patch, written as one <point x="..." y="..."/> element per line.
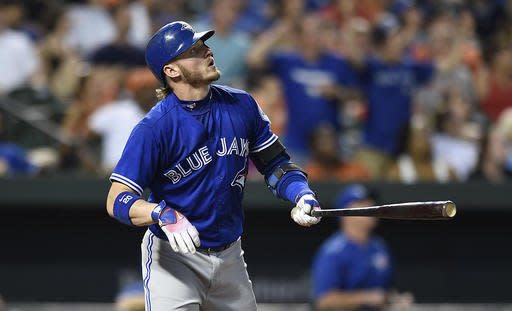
<point x="380" y="261"/>
<point x="263" y="115"/>
<point x="239" y="180"/>
<point x="186" y="27"/>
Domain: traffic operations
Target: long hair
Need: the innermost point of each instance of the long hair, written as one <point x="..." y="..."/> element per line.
<point x="163" y="91"/>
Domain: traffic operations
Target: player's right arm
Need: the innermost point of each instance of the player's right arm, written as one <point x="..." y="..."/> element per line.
<point x="133" y="173"/>
<point x="125" y="205"/>
<point x="140" y="210"/>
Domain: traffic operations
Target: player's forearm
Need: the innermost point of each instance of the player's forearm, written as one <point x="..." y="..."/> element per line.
<point x="290" y="186"/>
<point x="139" y="212"/>
<point x="341" y="299"/>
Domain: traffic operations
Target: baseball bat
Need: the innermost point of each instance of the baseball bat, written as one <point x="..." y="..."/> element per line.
<point x="434" y="210"/>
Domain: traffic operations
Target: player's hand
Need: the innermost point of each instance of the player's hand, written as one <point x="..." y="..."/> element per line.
<point x="182" y="235"/>
<point x="301" y="213"/>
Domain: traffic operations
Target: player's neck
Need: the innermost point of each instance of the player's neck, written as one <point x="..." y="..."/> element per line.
<point x="359" y="236"/>
<point x="191" y="93"/>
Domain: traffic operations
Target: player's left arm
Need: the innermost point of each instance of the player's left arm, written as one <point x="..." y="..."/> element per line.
<point x="284" y="178"/>
<point x="287" y="181"/>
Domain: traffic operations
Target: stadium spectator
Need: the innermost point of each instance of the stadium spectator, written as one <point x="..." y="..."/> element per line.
<point x="447" y="47"/>
<point x="355" y="40"/>
<point x="162" y="12"/>
<point x="290" y="12"/>
<point x="255" y="16"/>
<point x="19" y="59"/>
<point x="352" y="269"/>
<point x="495" y="84"/>
<point x="125" y="113"/>
<point x="91" y="26"/>
<point x="14" y="162"/>
<point x="229" y="45"/>
<point x="267" y="91"/>
<point x="388" y="82"/>
<point x="340" y="11"/>
<point x="312" y="79"/>
<point x="417" y="164"/>
<point x="455" y="140"/>
<point x="326" y="160"/>
<point x="120" y="52"/>
<point x="61" y="66"/>
<point x="99" y="87"/>
<point x="492" y="158"/>
<point x="140" y="22"/>
<point x="412" y="20"/>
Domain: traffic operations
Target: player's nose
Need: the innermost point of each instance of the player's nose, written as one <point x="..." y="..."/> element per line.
<point x="208" y="52"/>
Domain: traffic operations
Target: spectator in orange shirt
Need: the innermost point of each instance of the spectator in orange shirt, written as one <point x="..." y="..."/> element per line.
<point x="327" y="162"/>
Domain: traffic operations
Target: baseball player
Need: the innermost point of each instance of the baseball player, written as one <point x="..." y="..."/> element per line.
<point x="352" y="269"/>
<point x="192" y="151"/>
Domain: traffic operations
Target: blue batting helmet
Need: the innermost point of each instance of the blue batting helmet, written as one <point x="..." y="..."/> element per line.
<point x="353" y="193"/>
<point x="170" y="41"/>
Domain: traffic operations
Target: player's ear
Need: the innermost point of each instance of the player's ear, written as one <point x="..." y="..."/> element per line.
<point x="172" y="71"/>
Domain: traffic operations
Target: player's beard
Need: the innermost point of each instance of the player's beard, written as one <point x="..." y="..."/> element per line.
<point x="196" y="77"/>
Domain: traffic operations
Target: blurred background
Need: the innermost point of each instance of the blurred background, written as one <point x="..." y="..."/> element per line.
<point x="412" y="98"/>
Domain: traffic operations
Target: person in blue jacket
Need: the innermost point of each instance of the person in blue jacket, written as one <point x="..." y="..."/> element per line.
<point x="352" y="269"/>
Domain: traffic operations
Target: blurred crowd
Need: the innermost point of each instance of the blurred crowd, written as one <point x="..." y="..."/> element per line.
<point x="396" y="90"/>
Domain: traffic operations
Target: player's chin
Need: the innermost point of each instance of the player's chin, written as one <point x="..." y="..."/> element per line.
<point x="213" y="75"/>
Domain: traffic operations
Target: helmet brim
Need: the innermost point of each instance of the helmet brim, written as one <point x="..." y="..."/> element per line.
<point x="203" y="35"/>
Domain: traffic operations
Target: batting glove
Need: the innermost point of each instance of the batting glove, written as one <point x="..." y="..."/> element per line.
<point x="182" y="235"/>
<point x="301" y="213"/>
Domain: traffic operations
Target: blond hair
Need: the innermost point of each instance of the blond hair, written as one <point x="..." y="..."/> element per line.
<point x="163" y="92"/>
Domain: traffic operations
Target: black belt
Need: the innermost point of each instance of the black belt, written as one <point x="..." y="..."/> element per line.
<point x="209" y="250"/>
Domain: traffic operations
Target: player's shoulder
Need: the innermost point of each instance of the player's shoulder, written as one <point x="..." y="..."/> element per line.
<point x="335" y="245"/>
<point x="157" y="119"/>
<point x="378" y="243"/>
<point x="229" y="90"/>
<point x="231" y="94"/>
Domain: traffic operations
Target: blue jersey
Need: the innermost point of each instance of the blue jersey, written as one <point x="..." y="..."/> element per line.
<point x="341" y="264"/>
<point x="302" y="82"/>
<point x="194" y="155"/>
<point x="389" y="89"/>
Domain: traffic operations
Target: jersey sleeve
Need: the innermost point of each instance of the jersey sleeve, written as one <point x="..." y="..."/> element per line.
<point x="327" y="273"/>
<point x="263" y="136"/>
<point x="139" y="160"/>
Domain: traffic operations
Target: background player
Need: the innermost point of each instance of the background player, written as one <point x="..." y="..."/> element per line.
<point x="191" y="150"/>
<point x="352" y="269"/>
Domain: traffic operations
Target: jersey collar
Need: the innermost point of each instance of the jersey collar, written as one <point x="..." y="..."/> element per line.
<point x="195" y="106"/>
